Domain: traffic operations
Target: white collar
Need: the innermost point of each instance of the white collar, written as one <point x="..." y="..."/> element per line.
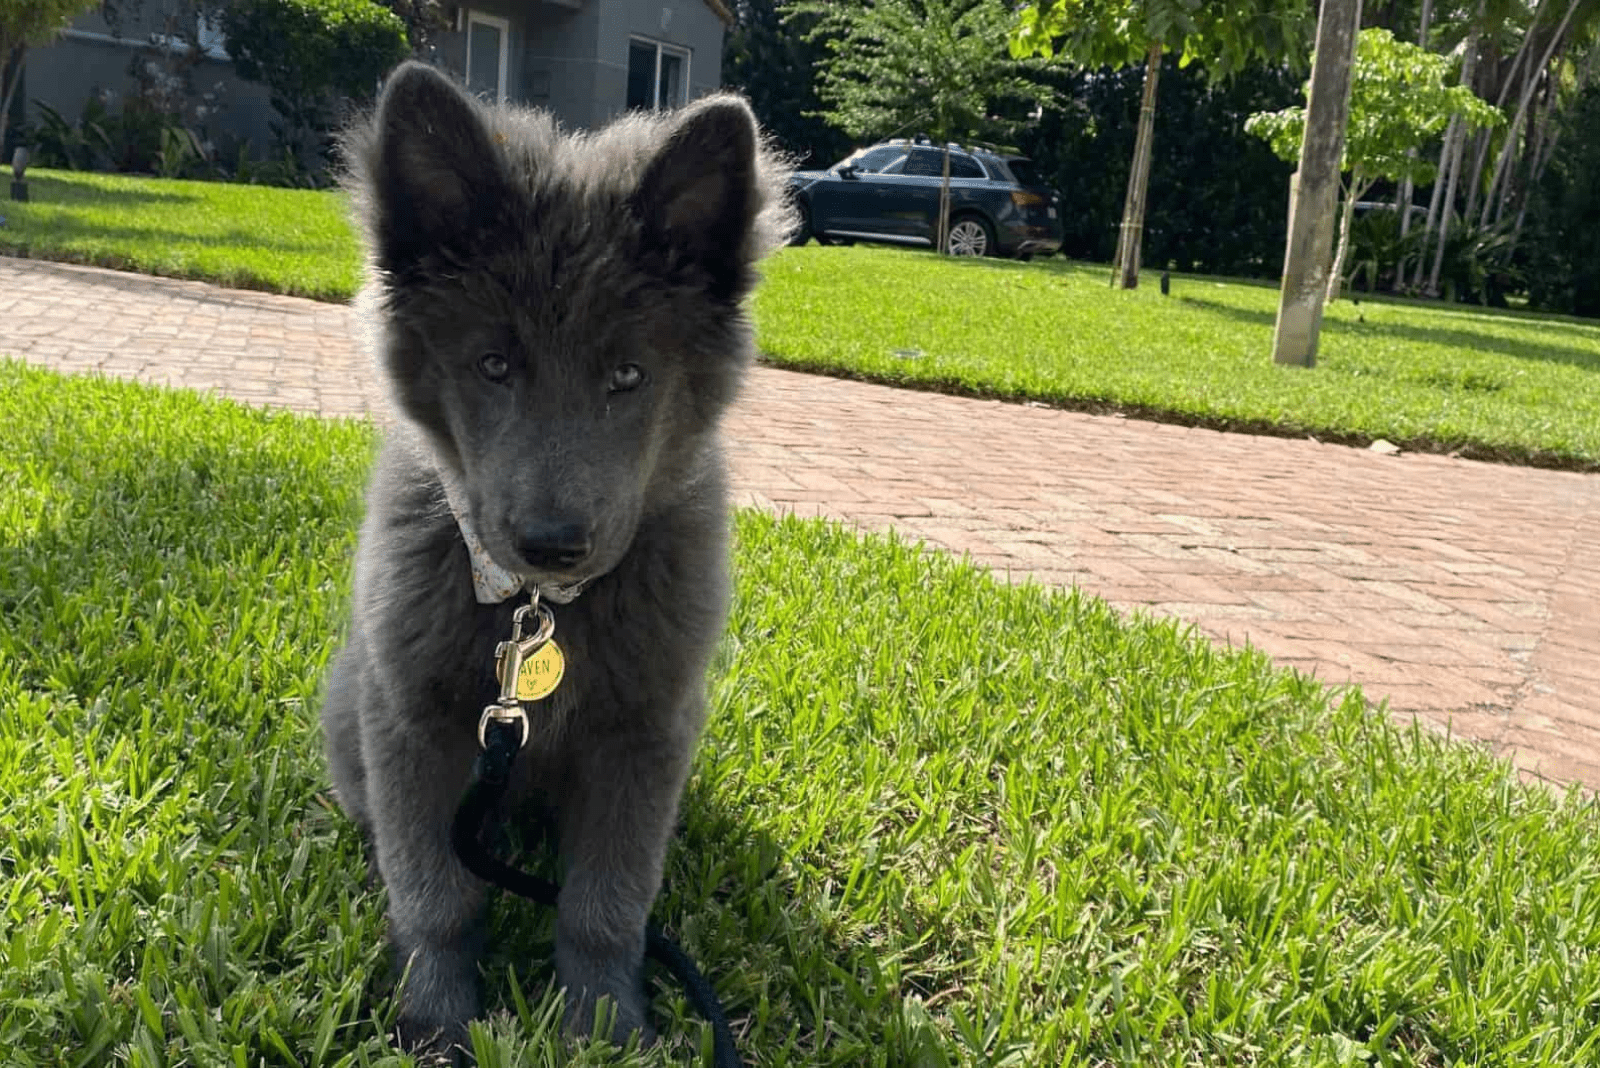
<point x="492" y="583"/>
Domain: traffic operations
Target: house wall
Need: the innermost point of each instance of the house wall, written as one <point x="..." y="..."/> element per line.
<point x="93" y="57"/>
<point x="687" y="23"/>
<point x="572" y="57"/>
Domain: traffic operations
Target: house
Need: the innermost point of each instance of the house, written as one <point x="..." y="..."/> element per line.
<point x="588" y="60"/>
<point x="584" y="60"/>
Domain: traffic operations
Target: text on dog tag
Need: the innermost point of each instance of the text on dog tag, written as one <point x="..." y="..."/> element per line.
<point x="540" y="672"/>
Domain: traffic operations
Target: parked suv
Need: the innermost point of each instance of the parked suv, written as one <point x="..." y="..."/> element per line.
<point x="890" y="192"/>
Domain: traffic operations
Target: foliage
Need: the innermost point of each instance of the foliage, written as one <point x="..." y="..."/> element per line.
<point x="1218" y="197"/>
<point x="899" y="66"/>
<point x="1398" y="102"/>
<point x="1564" y="217"/>
<point x="24" y="23"/>
<point x="424" y="21"/>
<point x="133" y="138"/>
<point x="772" y="60"/>
<point x="1224" y="38"/>
<point x="311" y="54"/>
<point x="1117" y="33"/>
<point x="81" y="146"/>
<point x="1378" y="249"/>
<point x="936" y="819"/>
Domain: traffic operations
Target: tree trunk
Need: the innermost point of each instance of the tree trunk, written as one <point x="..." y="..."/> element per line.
<point x="9" y="65"/>
<point x="1480" y="159"/>
<point x="1358" y="187"/>
<point x="1448" y="159"/>
<point x="1492" y="203"/>
<point x="1125" y="269"/>
<point x="943" y="233"/>
<point x="1469" y="67"/>
<point x="1538" y="156"/>
<point x="1315" y="187"/>
<point x="1402" y="200"/>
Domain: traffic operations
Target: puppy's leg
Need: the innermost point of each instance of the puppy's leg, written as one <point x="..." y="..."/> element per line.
<point x="341" y="729"/>
<point x="415" y="779"/>
<point x="619" y="815"/>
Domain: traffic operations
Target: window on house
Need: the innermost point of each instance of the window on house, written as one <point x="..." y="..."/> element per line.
<point x="488" y="50"/>
<point x="658" y="74"/>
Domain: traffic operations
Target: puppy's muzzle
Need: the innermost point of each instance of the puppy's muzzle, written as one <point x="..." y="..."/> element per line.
<point x="554" y="546"/>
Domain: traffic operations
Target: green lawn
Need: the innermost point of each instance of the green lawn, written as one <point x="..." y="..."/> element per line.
<point x="256" y="237"/>
<point x="1494" y="385"/>
<point x="936" y="820"/>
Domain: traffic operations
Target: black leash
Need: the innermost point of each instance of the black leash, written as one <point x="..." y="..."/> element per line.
<point x="491" y="775"/>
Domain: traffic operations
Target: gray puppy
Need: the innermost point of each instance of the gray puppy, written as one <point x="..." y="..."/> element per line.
<point x="559" y="319"/>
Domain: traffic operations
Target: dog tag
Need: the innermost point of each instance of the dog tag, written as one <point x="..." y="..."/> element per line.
<point x="541" y="672"/>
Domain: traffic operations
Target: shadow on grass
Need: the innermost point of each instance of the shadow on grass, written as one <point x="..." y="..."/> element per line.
<point x="187" y="501"/>
<point x="730" y="899"/>
<point x="45" y="189"/>
<point x="1448" y="337"/>
<point x="158" y="240"/>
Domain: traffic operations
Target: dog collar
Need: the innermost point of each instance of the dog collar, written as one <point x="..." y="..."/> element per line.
<point x="491" y="583"/>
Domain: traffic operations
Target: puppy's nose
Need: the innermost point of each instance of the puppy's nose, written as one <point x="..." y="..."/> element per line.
<point x="555" y="546"/>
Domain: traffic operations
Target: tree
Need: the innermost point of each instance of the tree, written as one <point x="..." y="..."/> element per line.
<point x="311" y="53"/>
<point x="1314" y="186"/>
<point x="932" y="66"/>
<point x="24" y="23"/>
<point x="775" y="66"/>
<point x="1398" y="102"/>
<point x="1218" y="196"/>
<point x="1118" y="33"/>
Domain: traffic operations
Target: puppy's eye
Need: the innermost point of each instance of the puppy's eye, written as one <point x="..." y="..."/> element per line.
<point x="628" y="376"/>
<point x="494" y="367"/>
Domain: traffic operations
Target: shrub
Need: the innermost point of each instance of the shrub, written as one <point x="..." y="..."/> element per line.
<point x="311" y="54"/>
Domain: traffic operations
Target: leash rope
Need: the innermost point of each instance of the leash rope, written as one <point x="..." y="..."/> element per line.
<point x="502" y="732"/>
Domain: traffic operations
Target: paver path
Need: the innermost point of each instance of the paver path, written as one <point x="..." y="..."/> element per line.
<point x="1464" y="592"/>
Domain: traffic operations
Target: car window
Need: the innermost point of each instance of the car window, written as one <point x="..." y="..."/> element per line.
<point x="877" y="159"/>
<point x="925" y="161"/>
<point x="1024" y="171"/>
<point x="963" y="166"/>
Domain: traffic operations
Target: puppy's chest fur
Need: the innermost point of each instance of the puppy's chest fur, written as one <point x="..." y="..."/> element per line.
<point x="607" y="636"/>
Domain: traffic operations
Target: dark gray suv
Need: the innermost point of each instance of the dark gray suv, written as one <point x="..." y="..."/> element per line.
<point x="890" y="192"/>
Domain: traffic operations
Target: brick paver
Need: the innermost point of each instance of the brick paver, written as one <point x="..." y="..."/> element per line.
<point x="1466" y="593"/>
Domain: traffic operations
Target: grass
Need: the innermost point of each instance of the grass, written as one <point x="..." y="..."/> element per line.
<point x="1488" y="384"/>
<point x="1491" y="385"/>
<point x="294" y="241"/>
<point x="936" y="820"/>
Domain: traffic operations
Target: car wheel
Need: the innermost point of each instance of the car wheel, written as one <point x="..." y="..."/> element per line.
<point x="970" y="236"/>
<point x="802" y="233"/>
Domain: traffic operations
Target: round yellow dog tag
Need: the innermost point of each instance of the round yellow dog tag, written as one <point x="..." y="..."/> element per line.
<point x="541" y="672"/>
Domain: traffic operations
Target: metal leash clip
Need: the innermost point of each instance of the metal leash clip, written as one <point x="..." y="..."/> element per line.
<point x="508" y="659"/>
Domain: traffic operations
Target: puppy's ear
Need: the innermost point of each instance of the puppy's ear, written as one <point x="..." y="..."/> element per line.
<point x="699" y="197"/>
<point x="437" y="177"/>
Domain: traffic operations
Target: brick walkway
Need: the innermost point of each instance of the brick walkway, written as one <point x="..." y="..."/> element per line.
<point x="1464" y="592"/>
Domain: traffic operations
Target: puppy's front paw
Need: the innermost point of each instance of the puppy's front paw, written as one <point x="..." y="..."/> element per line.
<point x="435" y="1045"/>
<point x="610" y="1017"/>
